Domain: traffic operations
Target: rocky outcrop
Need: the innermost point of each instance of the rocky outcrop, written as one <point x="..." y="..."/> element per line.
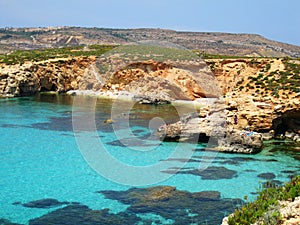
<point x="279" y="117"/>
<point x="212" y="126"/>
<point x="58" y="75"/>
<point x="237" y="124"/>
<point x="262" y="93"/>
<point x="167" y="81"/>
<point x="254" y="98"/>
<point x="290" y="211"/>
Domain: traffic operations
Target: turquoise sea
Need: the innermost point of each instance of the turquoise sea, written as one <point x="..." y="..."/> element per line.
<point x="47" y="178"/>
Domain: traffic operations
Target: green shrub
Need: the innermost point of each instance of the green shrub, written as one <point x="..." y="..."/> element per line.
<point x="260" y="76"/>
<point x="265" y="207"/>
<point x="240" y="82"/>
<point x="268" y="67"/>
<point x="21" y="56"/>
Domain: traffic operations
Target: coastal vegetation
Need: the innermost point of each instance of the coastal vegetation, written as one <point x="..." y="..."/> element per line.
<point x="259" y="77"/>
<point x="286" y="81"/>
<point x="149" y="51"/>
<point x="205" y="55"/>
<point x="142" y="52"/>
<point x="265" y="209"/>
<point x="21" y="56"/>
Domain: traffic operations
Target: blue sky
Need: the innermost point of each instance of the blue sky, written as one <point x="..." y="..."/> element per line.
<point x="274" y="19"/>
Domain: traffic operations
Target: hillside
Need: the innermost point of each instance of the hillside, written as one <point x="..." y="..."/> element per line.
<point x="208" y="42"/>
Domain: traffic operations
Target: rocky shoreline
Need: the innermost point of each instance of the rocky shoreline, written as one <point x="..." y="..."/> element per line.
<point x="216" y="124"/>
<point x="211" y="125"/>
<point x="230" y="119"/>
<point x="120" y="95"/>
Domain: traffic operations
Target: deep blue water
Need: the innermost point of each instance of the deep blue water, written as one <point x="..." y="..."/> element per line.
<point x="40" y="159"/>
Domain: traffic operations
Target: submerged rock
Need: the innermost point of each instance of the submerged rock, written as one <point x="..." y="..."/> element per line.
<point x="213" y="173"/>
<point x="181" y="206"/>
<point x="44" y="203"/>
<point x="81" y="214"/>
<point x="267" y="176"/>
<point x="130" y="142"/>
<point x="210" y="173"/>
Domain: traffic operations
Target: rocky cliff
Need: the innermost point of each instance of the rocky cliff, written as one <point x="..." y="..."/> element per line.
<point x="261" y="100"/>
<point x="166" y="81"/>
<point x="262" y="93"/>
<point x="58" y="75"/>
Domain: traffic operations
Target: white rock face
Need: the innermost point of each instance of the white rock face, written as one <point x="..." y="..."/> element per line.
<point x="290" y="211"/>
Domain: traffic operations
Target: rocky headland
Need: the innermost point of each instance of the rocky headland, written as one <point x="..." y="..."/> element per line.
<point x="240" y="101"/>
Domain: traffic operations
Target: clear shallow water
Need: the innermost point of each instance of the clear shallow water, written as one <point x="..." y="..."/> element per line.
<point x="40" y="159"/>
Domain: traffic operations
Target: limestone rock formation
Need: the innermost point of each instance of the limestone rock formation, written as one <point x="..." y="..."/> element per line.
<point x="57" y="75"/>
<point x="254" y="98"/>
<point x="213" y="128"/>
<point x="167" y="81"/>
<point x="290" y="211"/>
